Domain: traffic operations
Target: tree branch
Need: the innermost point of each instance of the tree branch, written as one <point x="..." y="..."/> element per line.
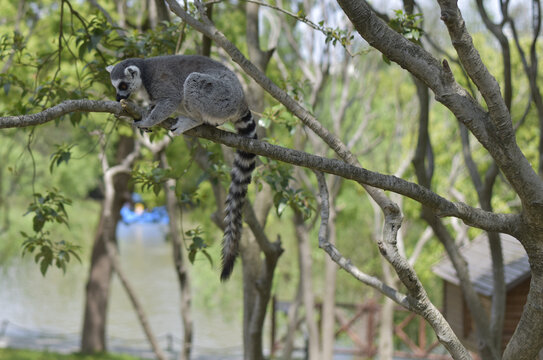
<point x="493" y="130"/>
<point x="470" y="58"/>
<point x="342" y="261"/>
<point x="417" y="301"/>
<point x="57" y="111"/>
<point x="485" y="220"/>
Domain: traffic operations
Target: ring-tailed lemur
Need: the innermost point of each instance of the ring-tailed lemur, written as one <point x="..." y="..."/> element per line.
<point x="197" y="90"/>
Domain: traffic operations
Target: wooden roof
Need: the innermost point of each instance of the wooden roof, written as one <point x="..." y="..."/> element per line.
<point x="477" y="254"/>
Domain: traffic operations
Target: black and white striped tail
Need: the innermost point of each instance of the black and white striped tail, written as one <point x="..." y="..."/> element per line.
<point x="244" y="164"/>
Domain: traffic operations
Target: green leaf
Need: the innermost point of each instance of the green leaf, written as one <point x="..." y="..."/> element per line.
<point x="37" y="223"/>
<point x="44" y="265"/>
<point x="192" y="255"/>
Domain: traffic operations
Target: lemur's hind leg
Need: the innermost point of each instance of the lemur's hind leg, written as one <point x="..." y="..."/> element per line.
<point x="213" y="98"/>
<point x="184" y="123"/>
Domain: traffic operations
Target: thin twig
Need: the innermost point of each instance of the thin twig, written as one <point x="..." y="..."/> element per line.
<point x="300" y="17"/>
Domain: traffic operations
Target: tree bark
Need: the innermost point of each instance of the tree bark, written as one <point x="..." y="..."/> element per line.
<point x="138" y="308"/>
<point x="93" y="338"/>
<point x="182" y="273"/>
<point x="306" y="281"/>
<point x="329" y="296"/>
<point x="386" y="330"/>
<point x="180" y="263"/>
<point x="257" y="272"/>
<point x="292" y="324"/>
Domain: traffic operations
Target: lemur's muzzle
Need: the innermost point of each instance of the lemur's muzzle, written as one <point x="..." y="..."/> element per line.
<point x="121" y="97"/>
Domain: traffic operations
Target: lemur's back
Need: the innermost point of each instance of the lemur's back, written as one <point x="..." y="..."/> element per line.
<point x="173" y="70"/>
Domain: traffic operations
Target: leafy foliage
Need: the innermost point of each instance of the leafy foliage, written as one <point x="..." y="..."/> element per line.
<point x="49" y="208"/>
<point x="49" y="251"/>
<point x="88" y="38"/>
<point x="278" y="176"/>
<point x="153" y="179"/>
<point x="63" y="154"/>
<point x="278" y="114"/>
<point x="336" y="35"/>
<point x="332" y="35"/>
<point x="197" y="245"/>
<point x="409" y="25"/>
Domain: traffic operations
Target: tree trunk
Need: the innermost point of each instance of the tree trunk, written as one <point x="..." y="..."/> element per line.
<point x="182" y="272"/>
<point x="308" y="297"/>
<point x="292" y="324"/>
<point x="97" y="289"/>
<point x="255" y="271"/>
<point x="180" y="263"/>
<point x="138" y="308"/>
<point x="386" y="330"/>
<point x="94" y="323"/>
<point x="329" y="296"/>
<point x="252" y="266"/>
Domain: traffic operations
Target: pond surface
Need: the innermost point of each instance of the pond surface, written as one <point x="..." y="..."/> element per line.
<point x="34" y="308"/>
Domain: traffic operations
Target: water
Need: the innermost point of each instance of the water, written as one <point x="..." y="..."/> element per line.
<point x="47" y="312"/>
<point x="39" y="310"/>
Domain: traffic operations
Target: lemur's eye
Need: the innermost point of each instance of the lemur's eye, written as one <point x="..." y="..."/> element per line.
<point x="123" y="86"/>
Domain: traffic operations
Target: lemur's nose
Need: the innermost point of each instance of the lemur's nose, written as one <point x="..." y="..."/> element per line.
<point x="121" y="97"/>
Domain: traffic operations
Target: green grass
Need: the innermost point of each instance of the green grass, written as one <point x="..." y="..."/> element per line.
<point x="15" y="354"/>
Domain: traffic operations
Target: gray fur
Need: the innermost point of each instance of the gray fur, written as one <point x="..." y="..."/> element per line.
<point x="194" y="87"/>
<point x="197" y="90"/>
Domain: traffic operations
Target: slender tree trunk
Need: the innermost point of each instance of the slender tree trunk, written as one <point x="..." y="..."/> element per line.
<point x="329" y="296"/>
<point x="292" y="321"/>
<point x="93" y="338"/>
<point x="308" y="297"/>
<point x="256" y="276"/>
<point x="180" y="263"/>
<point x="252" y="265"/>
<point x="138" y="308"/>
<point x="386" y="319"/>
<point x="181" y="269"/>
<point x="386" y="330"/>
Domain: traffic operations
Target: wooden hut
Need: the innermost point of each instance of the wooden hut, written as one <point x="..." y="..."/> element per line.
<point x="477" y="255"/>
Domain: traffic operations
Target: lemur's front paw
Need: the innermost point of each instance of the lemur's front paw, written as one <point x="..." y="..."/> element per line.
<point x="124" y="103"/>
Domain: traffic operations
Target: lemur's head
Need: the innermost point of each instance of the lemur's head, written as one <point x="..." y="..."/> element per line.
<point x="125" y="77"/>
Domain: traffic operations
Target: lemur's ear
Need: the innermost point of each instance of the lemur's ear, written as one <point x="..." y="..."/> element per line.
<point x="109" y="68"/>
<point x="132" y="71"/>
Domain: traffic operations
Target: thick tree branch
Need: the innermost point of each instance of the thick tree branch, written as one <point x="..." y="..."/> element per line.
<point x="64" y="108"/>
<point x="478" y="72"/>
<point x="492" y="129"/>
<point x="505" y="223"/>
<point x="475" y="217"/>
